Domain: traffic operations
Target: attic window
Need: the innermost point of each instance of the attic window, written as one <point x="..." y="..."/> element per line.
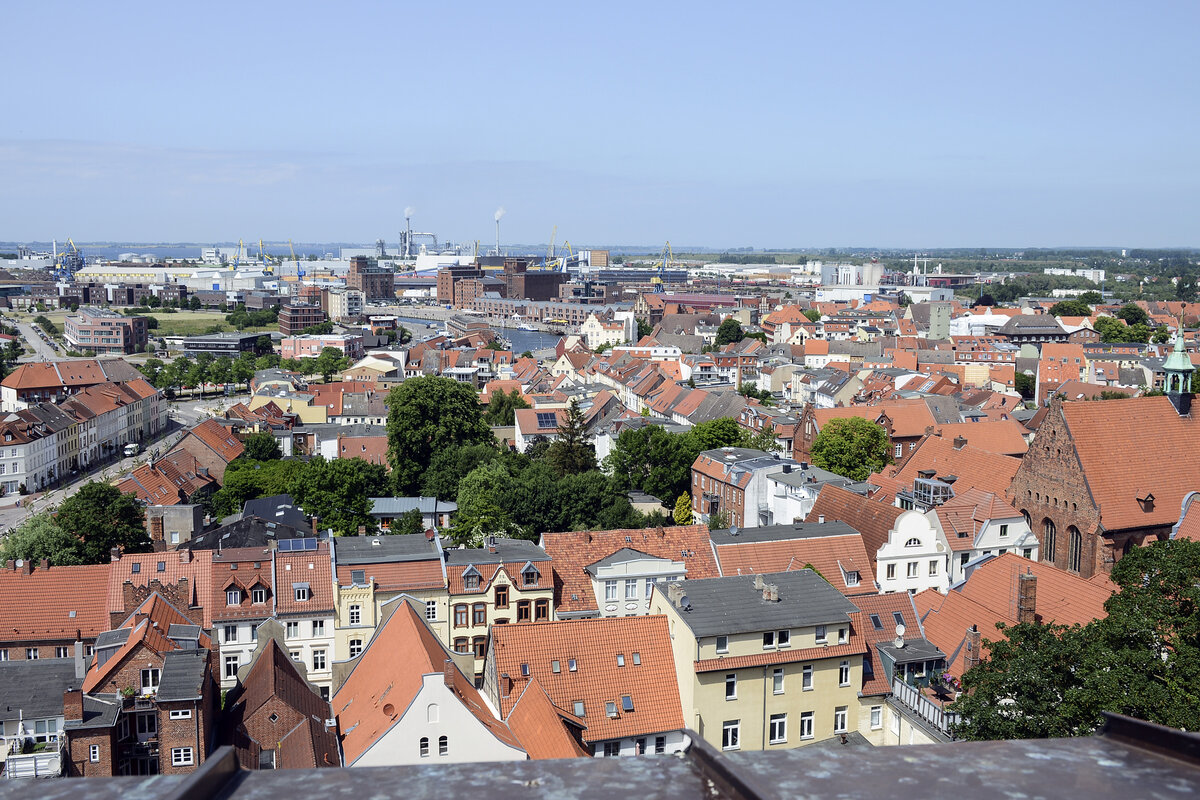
<point x="162" y="566"/>
<point x="620" y="659"/>
<point x="852" y="578"/>
<point x="358" y="577"/>
<point x="611" y="708"/>
<point x="627" y="703"/>
<point x="555" y="667"/>
<point x="913" y="542"/>
<point x="876" y="622"/>
<point x="579" y="709"/>
<point x="637" y="659"/>
<point x="136" y="567"/>
<point x="303" y="592"/>
<point x="525" y="670"/>
<point x="572" y="665"/>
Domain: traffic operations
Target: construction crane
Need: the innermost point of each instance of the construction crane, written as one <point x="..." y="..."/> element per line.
<point x="69" y="261"/>
<point x="292" y="250"/>
<point x="666" y="259"/>
<point x="237" y="255"/>
<point x="267" y="266"/>
<point x="550" y="263"/>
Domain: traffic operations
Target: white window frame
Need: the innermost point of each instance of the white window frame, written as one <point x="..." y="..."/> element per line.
<point x="891" y="572"/>
<point x="318" y="627"/>
<point x="722" y="644"/>
<point x="258" y="596"/>
<point x="318" y="659"/>
<point x="291" y="629"/>
<point x="913" y="568"/>
<point x="806" y="678"/>
<point x="731" y="686"/>
<point x="610" y="591"/>
<point x="841" y="716"/>
<point x="876" y="717"/>
<point x="631" y="587"/>
<point x="233" y="597"/>
<point x="777" y="729"/>
<point x="231" y="633"/>
<point x="182" y="757"/>
<point x="155" y="677"/>
<point x="783" y="638"/>
<point x="302" y="594"/>
<point x="777" y="678"/>
<point x="822" y="634"/>
<point x="181" y="713"/>
<point x="933" y="567"/>
<point x="768" y="640"/>
<point x="356" y="647"/>
<point x="94" y="753"/>
<point x="731" y="735"/>
<point x="354" y="614"/>
<point x="233" y="661"/>
<point x="806" y="724"/>
<point x="431" y="609"/>
<point x="844" y="672"/>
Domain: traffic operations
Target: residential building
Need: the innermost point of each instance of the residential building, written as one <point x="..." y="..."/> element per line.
<point x="613" y="573"/>
<point x="295" y="317"/>
<point x="613" y="681"/>
<point x="733" y="481"/>
<point x="105" y="332"/>
<point x="434" y="513"/>
<point x="373" y="282"/>
<point x="765" y="662"/>
<point x="506" y="581"/>
<point x="33" y="742"/>
<point x="978" y="523"/>
<point x="531" y="423"/>
<point x="834" y="549"/>
<point x="212" y="445"/>
<point x="420" y="709"/>
<point x="276" y="719"/>
<point x="50" y="611"/>
<point x="53" y="382"/>
<point x="343" y="304"/>
<point x="296" y="347"/>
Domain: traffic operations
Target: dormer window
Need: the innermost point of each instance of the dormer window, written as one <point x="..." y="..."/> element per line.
<point x="233" y="597"/>
<point x="530" y="575"/>
<point x="913" y="542"/>
<point x="471" y="577"/>
<point x="258" y="595"/>
<point x="303" y="592"/>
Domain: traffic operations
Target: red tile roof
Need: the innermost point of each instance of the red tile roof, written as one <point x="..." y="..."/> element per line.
<point x="543" y="728"/>
<point x="364" y="715"/>
<point x="197" y="569"/>
<point x="884" y="607"/>
<point x="973" y="466"/>
<point x="594" y="644"/>
<point x="831" y="556"/>
<point x="56" y="603"/>
<point x="946" y="619"/>
<point x="312" y="567"/>
<point x="572" y="552"/>
<point x="1062" y="598"/>
<point x="1006" y="437"/>
<point x="1129" y="449"/>
<point x="397" y="576"/>
<point x="234" y="568"/>
<point x="873" y="519"/>
<point x="967" y="513"/>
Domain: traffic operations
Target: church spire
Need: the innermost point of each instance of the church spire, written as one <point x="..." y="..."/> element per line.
<point x="1178" y="368"/>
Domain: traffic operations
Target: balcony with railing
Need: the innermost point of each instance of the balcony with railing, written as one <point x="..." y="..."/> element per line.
<point x="914" y="699"/>
<point x="21" y="757"/>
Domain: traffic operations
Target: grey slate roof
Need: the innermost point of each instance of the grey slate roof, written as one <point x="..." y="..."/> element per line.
<point x="246" y="532"/>
<point x="619" y="557"/>
<point x="507" y="550"/>
<point x="914" y="650"/>
<point x="383" y="549"/>
<point x="112" y="638"/>
<point x="280" y="508"/>
<point x="779" y="533"/>
<point x="732" y="605"/>
<point x="34" y="689"/>
<point x="183" y="675"/>
<point x="98" y="712"/>
<point x="394" y="506"/>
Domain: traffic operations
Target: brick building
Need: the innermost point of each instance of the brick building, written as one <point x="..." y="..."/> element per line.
<point x="1103" y="477"/>
<point x="48" y="611"/>
<point x="106" y="332"/>
<point x="294" y="318"/>
<point x="375" y="283"/>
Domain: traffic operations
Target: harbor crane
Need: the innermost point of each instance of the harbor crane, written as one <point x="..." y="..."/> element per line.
<point x="665" y="260"/>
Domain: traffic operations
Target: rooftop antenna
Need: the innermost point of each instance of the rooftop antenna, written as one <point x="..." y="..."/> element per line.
<point x="498" y="215"/>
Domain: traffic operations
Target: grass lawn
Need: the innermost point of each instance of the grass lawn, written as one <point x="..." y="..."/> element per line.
<point x="181" y="323"/>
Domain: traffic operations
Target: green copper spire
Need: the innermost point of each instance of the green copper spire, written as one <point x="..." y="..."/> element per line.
<point x="1178" y="366"/>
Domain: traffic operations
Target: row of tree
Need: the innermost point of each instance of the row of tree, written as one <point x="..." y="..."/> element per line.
<point x="83" y="530"/>
<point x="207" y="369"/>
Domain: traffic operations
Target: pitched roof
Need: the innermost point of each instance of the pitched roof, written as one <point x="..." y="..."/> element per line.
<point x="1005" y="436"/>
<point x="311" y="567"/>
<point x="965" y="514"/>
<point x="572" y="552"/>
<point x="946" y="618"/>
<point x="1159" y="454"/>
<point x="842" y="560"/>
<point x="1062" y="598"/>
<point x="543" y="728"/>
<point x="273" y="675"/>
<point x="53" y="604"/>
<point x="879" y="625"/>
<point x="380" y="686"/>
<point x="871" y="518"/>
<point x="218" y="439"/>
<point x="598" y="679"/>
<point x="973" y="466"/>
<point x="141" y="569"/>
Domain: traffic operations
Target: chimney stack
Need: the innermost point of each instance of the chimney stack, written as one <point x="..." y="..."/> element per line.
<point x="974" y="643"/>
<point x="758" y="581"/>
<point x="491" y="544"/>
<point x="72" y="704"/>
<point x="960" y="442"/>
<point x="156" y="529"/>
<point x="448" y="670"/>
<point x="185" y="556"/>
<point x="770" y="593"/>
<point x="80" y="662"/>
<point x="10" y="564"/>
<point x="45" y="563"/>
<point x="26" y="566"/>
<point x="115" y="554"/>
<point x="820" y="518"/>
<point x="315" y="522"/>
<point x="674" y="592"/>
<point x="1027" y="597"/>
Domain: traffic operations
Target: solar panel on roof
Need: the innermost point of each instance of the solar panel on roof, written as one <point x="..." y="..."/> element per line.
<point x="547" y="419"/>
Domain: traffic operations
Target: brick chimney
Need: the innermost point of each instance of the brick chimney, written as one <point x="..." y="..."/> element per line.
<point x="10" y="564"/>
<point x="960" y="442"/>
<point x="26" y="566"/>
<point x="448" y="670"/>
<point x="156" y="529"/>
<point x="185" y="556"/>
<point x="114" y="554"/>
<point x="974" y="643"/>
<point x="771" y="593"/>
<point x="491" y="544"/>
<point x="1027" y="597"/>
<point x="45" y="563"/>
<point x="316" y="523"/>
<point x="72" y="704"/>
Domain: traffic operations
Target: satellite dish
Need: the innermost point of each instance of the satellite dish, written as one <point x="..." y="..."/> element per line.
<point x="900" y="629"/>
<point x="20" y="562"/>
<point x="733" y="530"/>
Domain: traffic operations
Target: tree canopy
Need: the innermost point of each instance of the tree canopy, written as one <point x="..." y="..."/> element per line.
<point x="426" y="416"/>
<point x="101" y="518"/>
<point x="729" y="332"/>
<point x="339" y="492"/>
<point x="41" y="537"/>
<point x="1142" y="659"/>
<point x="853" y="447"/>
<point x="261" y="446"/>
<point x="1071" y="308"/>
<point x="502" y="408"/>
<point x="1133" y="314"/>
<point x="570" y="453"/>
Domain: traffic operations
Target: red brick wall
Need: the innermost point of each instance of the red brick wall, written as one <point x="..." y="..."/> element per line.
<point x="174" y="733"/>
<point x="79" y="747"/>
<point x="46" y="649"/>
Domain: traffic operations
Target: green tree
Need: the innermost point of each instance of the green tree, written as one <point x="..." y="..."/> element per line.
<point x="194" y="303"/>
<point x="1133" y="315"/>
<point x="221" y="370"/>
<point x="320" y="329"/>
<point x="644" y="329"/>
<point x="425" y="416"/>
<point x="248" y="480"/>
<point x="854" y="447"/>
<point x="243" y="368"/>
<point x="1092" y="298"/>
<point x="1025" y="384"/>
<point x="1142" y="659"/>
<point x="501" y="408"/>
<point x="410" y="522"/>
<point x="151" y="369"/>
<point x="1071" y="308"/>
<point x="339" y="491"/>
<point x="683" y="509"/>
<point x="481" y="506"/>
<point x="448" y="468"/>
<point x="729" y="332"/>
<point x="718" y="521"/>
<point x="262" y="446"/>
<point x="812" y="314"/>
<point x="41" y="537"/>
<point x="330" y="361"/>
<point x="570" y="453"/>
<point x="263" y="344"/>
<point x="102" y="518"/>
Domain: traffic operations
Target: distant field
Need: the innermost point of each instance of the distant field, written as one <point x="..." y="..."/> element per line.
<point x="181" y="323"/>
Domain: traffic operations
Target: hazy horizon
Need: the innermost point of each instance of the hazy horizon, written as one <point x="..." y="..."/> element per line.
<point x="939" y="125"/>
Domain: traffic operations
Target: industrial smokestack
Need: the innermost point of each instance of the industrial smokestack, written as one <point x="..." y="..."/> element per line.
<point x="408" y="212"/>
<point x="498" y="215"/>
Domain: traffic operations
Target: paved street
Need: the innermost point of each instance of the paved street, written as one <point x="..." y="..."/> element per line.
<point x="32" y="338"/>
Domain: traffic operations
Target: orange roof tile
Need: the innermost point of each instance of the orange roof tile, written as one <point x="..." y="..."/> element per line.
<point x="946" y="619"/>
<point x="543" y="728"/>
<point x="142" y="568"/>
<point x="56" y="603"/>
<point x="573" y="551"/>
<point x="833" y="558"/>
<point x="397" y="576"/>
<point x="879" y="625"/>
<point x="973" y="466"/>
<point x="594" y="644"/>
<point x="364" y="714"/>
<point x="219" y="439"/>
<point x="1006" y="437"/>
<point x="310" y="566"/>
<point x="1062" y="598"/>
<point x="871" y="518"/>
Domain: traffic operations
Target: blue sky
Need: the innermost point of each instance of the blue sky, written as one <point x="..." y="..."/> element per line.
<point x="912" y="125"/>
